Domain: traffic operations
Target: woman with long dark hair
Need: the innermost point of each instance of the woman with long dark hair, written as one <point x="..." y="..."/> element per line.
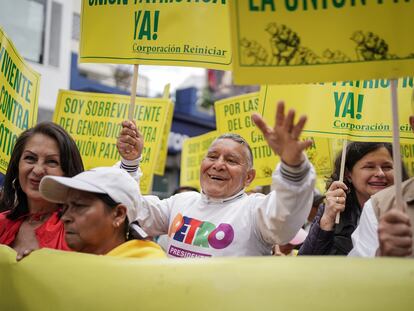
<point x="27" y="220"/>
<point x="368" y="169"/>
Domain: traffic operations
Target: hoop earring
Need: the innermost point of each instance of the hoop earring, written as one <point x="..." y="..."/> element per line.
<point x="16" y="200"/>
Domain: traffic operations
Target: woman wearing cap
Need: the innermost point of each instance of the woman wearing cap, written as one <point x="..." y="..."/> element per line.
<point x="100" y="210"/>
<point x="368" y="169"/>
<point x="28" y="221"/>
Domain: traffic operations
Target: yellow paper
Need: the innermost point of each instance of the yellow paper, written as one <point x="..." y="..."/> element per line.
<point x="234" y="115"/>
<point x="177" y="33"/>
<point x="193" y="152"/>
<point x="300" y="41"/>
<point x="19" y="92"/>
<point x="162" y="156"/>
<point x="94" y="121"/>
<point x="58" y="280"/>
<point x="357" y="111"/>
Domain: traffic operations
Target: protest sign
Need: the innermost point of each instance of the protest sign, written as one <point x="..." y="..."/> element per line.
<point x="355" y="110"/>
<point x="19" y="93"/>
<point x="94" y="121"/>
<point x="162" y="156"/>
<point x="177" y="33"/>
<point x="74" y="281"/>
<point x="301" y="41"/>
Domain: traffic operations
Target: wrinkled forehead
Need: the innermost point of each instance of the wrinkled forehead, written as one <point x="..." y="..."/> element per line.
<point x="228" y="146"/>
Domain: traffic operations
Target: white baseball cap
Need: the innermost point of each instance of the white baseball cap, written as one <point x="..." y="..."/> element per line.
<point x="113" y="181"/>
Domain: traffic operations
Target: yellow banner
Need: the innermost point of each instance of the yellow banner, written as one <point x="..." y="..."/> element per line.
<point x="300" y="41"/>
<point x="162" y="156"/>
<point x="58" y="280"/>
<point x="193" y="151"/>
<point x="94" y="121"/>
<point x="19" y="92"/>
<point x="177" y="33"/>
<point x="234" y="115"/>
<point x="357" y="111"/>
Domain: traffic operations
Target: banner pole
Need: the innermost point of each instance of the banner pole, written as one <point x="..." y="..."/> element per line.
<point x="342" y="173"/>
<point x="396" y="153"/>
<point x="133" y="93"/>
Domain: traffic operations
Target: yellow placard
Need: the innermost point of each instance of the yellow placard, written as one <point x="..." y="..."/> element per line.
<point x="177" y="33"/>
<point x="301" y="41"/>
<point x="58" y="280"/>
<point x="162" y="156"/>
<point x="19" y="92"/>
<point x="234" y="115"/>
<point x="94" y="121"/>
<point x="193" y="151"/>
<point x="357" y="111"/>
<point x="407" y="154"/>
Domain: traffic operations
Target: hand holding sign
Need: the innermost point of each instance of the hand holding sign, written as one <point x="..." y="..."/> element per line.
<point x="283" y="138"/>
<point x="335" y="203"/>
<point x="395" y="234"/>
<point x="130" y="142"/>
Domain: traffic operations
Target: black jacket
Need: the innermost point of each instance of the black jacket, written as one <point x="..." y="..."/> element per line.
<point x="337" y="241"/>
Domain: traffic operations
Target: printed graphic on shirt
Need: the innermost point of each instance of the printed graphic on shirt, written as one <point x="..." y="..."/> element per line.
<point x="199" y="233"/>
<point x="183" y="253"/>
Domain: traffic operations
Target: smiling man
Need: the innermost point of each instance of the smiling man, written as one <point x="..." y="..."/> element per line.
<point x="223" y="220"/>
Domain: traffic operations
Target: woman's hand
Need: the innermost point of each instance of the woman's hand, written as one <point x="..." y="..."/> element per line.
<point x="23" y="253"/>
<point x="335" y="203"/>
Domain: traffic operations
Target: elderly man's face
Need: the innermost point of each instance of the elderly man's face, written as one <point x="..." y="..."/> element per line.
<point x="225" y="170"/>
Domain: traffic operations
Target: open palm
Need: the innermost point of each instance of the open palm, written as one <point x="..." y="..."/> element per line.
<point x="283" y="138"/>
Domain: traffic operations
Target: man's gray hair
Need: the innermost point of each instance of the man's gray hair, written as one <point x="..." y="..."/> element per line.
<point x="238" y="139"/>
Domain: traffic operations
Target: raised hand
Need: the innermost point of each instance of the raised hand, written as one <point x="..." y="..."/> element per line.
<point x="130" y="142"/>
<point x="283" y="138"/>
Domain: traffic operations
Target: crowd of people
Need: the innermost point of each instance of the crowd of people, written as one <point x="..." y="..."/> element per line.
<point x="49" y="201"/>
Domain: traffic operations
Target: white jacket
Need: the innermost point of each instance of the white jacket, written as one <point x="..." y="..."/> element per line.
<point x="242" y="225"/>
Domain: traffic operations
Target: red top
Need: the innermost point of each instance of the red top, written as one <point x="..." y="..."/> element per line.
<point x="50" y="234"/>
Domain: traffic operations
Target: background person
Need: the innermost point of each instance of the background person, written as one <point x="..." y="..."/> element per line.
<point x="223" y="220"/>
<point x="101" y="206"/>
<point x="368" y="169"/>
<point x="30" y="222"/>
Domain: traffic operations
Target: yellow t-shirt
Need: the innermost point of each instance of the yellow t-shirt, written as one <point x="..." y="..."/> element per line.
<point x="138" y="249"/>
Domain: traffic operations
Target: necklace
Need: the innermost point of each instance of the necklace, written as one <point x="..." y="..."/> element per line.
<point x="37" y="217"/>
